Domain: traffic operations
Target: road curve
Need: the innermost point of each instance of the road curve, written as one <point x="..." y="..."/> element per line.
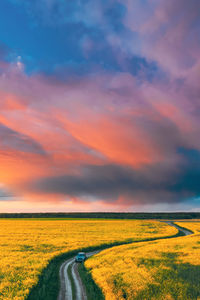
<point x="184" y="230"/>
<point x="80" y="292"/>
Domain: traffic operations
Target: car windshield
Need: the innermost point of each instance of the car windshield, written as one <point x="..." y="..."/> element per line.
<point x="81" y="255"/>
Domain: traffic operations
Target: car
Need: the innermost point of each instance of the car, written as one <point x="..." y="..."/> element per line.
<point x="80" y="257"/>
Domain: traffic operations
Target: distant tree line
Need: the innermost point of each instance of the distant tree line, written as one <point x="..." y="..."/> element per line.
<point x="106" y="215"/>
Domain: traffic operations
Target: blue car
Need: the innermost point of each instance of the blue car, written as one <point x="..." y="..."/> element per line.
<point x="80" y="257"/>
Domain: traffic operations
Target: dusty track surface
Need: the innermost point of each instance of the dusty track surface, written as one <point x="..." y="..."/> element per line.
<point x="66" y="290"/>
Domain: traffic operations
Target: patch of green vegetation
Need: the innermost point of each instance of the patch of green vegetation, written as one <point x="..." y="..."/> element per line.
<point x="92" y="290"/>
<point x="48" y="285"/>
<point x="47" y="247"/>
<point x="138" y="216"/>
<point x="149" y="263"/>
<point x="2" y="275"/>
<point x="119" y="284"/>
<point x="25" y="248"/>
<point x="42" y="248"/>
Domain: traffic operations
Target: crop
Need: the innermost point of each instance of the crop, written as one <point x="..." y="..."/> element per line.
<point x="27" y="245"/>
<point x="161" y="269"/>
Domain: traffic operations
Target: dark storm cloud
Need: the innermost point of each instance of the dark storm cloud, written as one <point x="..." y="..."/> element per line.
<point x="5" y="194"/>
<point x="13" y="140"/>
<point x="152" y="184"/>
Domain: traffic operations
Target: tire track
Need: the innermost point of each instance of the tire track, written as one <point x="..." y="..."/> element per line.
<point x="65" y="282"/>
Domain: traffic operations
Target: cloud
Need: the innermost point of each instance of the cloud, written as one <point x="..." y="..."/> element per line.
<point x="168" y="32"/>
<point x="152" y="184"/>
<point x="54" y="12"/>
<point x="5" y="194"/>
<point x="15" y="141"/>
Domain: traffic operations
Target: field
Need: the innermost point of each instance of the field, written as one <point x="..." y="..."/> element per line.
<point x="162" y="269"/>
<point x="27" y="245"/>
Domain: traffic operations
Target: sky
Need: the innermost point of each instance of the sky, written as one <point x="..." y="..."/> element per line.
<point x="99" y="105"/>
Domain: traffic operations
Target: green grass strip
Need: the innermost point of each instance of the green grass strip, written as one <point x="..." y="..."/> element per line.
<point x="69" y="272"/>
<point x="93" y="291"/>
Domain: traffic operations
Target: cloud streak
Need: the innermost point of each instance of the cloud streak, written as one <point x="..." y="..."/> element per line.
<point x="162" y="184"/>
<point x="11" y="139"/>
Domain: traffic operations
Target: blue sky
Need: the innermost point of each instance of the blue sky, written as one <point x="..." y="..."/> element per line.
<point x="62" y="37"/>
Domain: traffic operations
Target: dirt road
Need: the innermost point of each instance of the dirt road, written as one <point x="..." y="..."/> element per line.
<point x="66" y="290"/>
<point x="185" y="231"/>
<point x="71" y="267"/>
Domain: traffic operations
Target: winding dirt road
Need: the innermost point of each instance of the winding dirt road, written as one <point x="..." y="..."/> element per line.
<point x="70" y="266"/>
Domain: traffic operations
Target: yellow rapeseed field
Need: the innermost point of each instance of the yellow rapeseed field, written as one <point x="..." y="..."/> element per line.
<point x="27" y="245"/>
<point x="162" y="269"/>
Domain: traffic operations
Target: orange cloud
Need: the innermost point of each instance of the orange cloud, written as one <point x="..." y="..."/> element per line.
<point x="117" y="138"/>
